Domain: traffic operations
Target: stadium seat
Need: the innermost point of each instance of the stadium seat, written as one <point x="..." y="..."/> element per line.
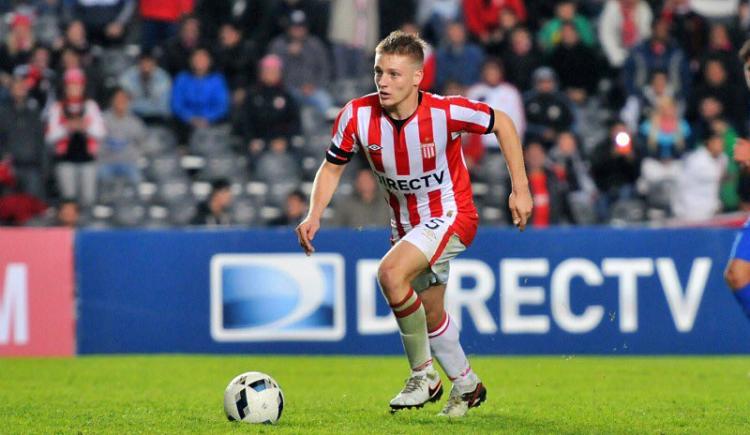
<point x="181" y="213"/>
<point x="175" y="190"/>
<point x="129" y="213"/>
<point x="245" y="211"/>
<point x="158" y="141"/>
<point x="165" y="166"/>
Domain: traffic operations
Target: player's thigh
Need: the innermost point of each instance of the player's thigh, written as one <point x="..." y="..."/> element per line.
<point x="737" y="273"/>
<point x="401" y="264"/>
<point x="433" y="299"/>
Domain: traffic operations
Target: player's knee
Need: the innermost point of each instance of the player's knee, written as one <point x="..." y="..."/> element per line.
<point x="389" y="277"/>
<point x="736" y="277"/>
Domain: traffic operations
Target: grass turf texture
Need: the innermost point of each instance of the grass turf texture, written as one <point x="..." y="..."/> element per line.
<point x="345" y="395"/>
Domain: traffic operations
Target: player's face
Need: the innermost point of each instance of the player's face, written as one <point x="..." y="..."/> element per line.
<point x="746" y="68"/>
<point x="397" y="77"/>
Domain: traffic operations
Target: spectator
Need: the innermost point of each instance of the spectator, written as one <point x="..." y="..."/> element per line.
<point x="434" y="15"/>
<point x="249" y="16"/>
<point x="730" y="96"/>
<point x="354" y="32"/>
<point x="429" y="66"/>
<point x="547" y="190"/>
<point x="18" y="207"/>
<point x="696" y="193"/>
<point x="159" y="20"/>
<point x="570" y="167"/>
<point x="729" y="194"/>
<point x="178" y="50"/>
<point x="566" y="12"/>
<point x="76" y="39"/>
<point x="149" y="88"/>
<point x="615" y="168"/>
<point x="70" y="59"/>
<point x="665" y="134"/>
<point x="364" y="208"/>
<point x="294" y="212"/>
<point x="306" y="63"/>
<point x="501" y="95"/>
<point x="623" y="24"/>
<point x="235" y="57"/>
<point x="105" y="20"/>
<point x="687" y="27"/>
<point x="720" y="47"/>
<point x="642" y="106"/>
<point x="68" y="214"/>
<point x="277" y="167"/>
<point x="521" y="59"/>
<point x="718" y="11"/>
<point x="270" y="111"/>
<point x="22" y="140"/>
<point x="457" y="59"/>
<point x="18" y="46"/>
<point x="657" y="53"/>
<point x="281" y="16"/>
<point x="548" y="111"/>
<point x="38" y="78"/>
<point x="75" y="129"/>
<point x="483" y="17"/>
<point x="120" y="151"/>
<point x="200" y="98"/>
<point x="215" y="210"/>
<point x="394" y="14"/>
<point x="575" y="64"/>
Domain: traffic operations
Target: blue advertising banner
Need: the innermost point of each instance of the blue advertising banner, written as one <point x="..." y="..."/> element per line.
<point x="559" y="291"/>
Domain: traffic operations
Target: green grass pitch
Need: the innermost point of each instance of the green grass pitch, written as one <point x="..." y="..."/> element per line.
<point x="349" y="395"/>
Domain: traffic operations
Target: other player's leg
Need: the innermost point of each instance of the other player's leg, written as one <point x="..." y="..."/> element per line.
<point x="468" y="390"/>
<point x="737" y="274"/>
<point x="399" y="267"/>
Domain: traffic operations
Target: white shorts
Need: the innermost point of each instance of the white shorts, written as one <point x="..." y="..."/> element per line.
<point x="439" y="242"/>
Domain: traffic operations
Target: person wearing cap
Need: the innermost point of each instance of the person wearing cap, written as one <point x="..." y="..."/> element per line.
<point x="307" y="63"/>
<point x="149" y="87"/>
<point x="548" y="111"/>
<point x="74" y="131"/>
<point x="270" y="111"/>
<point x="200" y="97"/>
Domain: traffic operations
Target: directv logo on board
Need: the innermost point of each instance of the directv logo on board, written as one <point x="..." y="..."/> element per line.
<point x="271" y="297"/>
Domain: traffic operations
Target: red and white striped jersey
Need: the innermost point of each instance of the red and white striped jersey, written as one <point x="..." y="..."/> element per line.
<point x="419" y="166"/>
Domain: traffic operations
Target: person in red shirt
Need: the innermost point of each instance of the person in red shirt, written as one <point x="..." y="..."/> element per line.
<point x="483" y="16"/>
<point x="159" y="19"/>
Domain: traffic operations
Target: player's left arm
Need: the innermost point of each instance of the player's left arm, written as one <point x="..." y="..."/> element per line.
<point x="519" y="202"/>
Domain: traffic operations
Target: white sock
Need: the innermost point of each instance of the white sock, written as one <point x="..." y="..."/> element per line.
<point x="412" y="324"/>
<point x="449" y="353"/>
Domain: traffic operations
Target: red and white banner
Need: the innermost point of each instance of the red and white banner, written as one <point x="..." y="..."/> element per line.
<point x="36" y="292"/>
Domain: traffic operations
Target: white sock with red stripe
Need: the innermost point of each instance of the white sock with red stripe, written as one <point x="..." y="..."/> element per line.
<point x="412" y="324"/>
<point x="449" y="353"/>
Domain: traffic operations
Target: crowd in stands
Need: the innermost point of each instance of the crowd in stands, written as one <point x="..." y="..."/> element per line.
<point x="160" y="113"/>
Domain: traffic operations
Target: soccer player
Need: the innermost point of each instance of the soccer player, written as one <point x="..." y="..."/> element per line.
<point x="737" y="273"/>
<point x="411" y="140"/>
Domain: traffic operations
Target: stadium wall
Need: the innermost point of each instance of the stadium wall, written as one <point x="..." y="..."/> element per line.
<point x="558" y="291"/>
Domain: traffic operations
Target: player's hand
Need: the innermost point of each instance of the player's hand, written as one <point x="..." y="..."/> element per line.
<point x="520" y="205"/>
<point x="742" y="152"/>
<point x="306" y="233"/>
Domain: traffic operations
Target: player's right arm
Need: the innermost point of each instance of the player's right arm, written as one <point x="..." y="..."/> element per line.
<point x="326" y="181"/>
<point x="343" y="147"/>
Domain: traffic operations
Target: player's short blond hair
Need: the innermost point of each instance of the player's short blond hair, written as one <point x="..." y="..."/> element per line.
<point x="404" y="44"/>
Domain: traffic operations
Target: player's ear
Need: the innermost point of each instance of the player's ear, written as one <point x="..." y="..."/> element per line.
<point x="418" y="74"/>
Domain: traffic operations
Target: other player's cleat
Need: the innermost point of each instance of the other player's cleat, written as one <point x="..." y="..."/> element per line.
<point x="419" y="389"/>
<point x="459" y="403"/>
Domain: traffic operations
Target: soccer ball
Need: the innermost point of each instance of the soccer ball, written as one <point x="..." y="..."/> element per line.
<point x="253" y="397"/>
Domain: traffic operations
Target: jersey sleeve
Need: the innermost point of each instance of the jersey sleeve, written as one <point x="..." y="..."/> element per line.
<point x="469" y="116"/>
<point x="343" y="137"/>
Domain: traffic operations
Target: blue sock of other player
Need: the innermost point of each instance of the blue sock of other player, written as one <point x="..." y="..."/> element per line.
<point x="743" y="297"/>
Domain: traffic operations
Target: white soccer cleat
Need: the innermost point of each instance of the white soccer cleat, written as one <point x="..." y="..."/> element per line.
<point x="459" y="403"/>
<point x="419" y="389"/>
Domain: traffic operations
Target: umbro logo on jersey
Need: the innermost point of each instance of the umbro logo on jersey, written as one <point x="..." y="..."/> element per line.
<point x="428" y="150"/>
<point x="374" y="147"/>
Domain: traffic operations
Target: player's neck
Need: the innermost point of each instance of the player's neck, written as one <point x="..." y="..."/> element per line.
<point x="405" y="108"/>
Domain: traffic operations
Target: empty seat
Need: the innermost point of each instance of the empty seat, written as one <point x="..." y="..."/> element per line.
<point x="175" y="190"/>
